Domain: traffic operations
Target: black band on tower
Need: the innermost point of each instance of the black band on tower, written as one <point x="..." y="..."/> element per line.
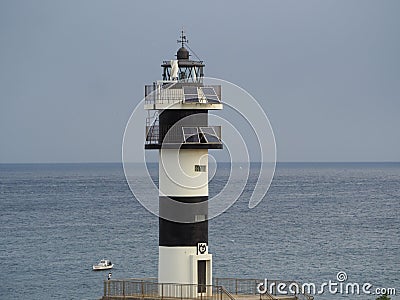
<point x="183" y="233"/>
<point x="186" y="117"/>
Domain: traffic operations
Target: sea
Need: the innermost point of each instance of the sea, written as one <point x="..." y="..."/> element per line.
<point x="317" y="220"/>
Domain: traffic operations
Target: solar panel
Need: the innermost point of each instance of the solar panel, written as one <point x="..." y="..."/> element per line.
<point x="190" y="130"/>
<point x="190" y="94"/>
<point x="210" y="94"/>
<point x="210" y="135"/>
<point x="190" y="90"/>
<point x="211" y="138"/>
<point x="208" y="90"/>
<point x="191" y="135"/>
<point x="208" y="130"/>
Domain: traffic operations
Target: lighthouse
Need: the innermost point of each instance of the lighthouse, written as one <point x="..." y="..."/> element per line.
<point x="177" y="127"/>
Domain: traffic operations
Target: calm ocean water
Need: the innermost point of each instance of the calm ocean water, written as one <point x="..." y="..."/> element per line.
<point x="316" y="220"/>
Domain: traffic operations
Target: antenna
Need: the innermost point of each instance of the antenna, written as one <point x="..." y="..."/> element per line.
<point x="183" y="38"/>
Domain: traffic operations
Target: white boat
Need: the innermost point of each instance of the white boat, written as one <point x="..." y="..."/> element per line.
<point x="104" y="264"/>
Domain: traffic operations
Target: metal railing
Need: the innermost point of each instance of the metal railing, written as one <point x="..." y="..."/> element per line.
<point x="225" y="292"/>
<point x="223" y="289"/>
<point x="237" y="286"/>
<point x="152" y="134"/>
<point x="167" y="92"/>
<point x="174" y="135"/>
<point x="141" y="289"/>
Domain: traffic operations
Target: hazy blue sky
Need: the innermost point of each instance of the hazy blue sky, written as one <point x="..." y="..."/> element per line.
<point x="327" y="73"/>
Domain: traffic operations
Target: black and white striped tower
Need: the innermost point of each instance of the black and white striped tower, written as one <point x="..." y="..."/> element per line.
<point x="177" y="126"/>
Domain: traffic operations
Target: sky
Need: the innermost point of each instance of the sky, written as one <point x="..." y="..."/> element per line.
<point x="327" y="73"/>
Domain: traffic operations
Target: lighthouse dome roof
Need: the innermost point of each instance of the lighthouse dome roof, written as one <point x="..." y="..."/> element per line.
<point x="182" y="53"/>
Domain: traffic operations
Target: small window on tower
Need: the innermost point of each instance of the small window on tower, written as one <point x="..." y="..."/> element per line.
<point x="200" y="168"/>
<point x="200" y="218"/>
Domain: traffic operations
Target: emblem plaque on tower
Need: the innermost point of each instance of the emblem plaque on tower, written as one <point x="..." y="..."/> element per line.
<point x="202" y="248"/>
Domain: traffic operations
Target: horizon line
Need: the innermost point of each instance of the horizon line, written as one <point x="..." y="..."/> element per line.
<point x="119" y="162"/>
